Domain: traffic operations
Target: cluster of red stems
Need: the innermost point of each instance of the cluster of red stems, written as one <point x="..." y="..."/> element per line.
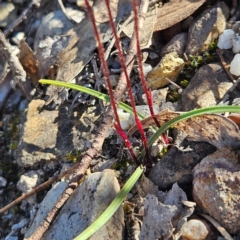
<point x="141" y="74"/>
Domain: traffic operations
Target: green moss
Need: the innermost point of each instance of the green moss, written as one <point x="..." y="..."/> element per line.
<point x="184" y="83"/>
<point x="120" y="165"/>
<point x="173" y="95"/>
<point x="194" y="63"/>
<point x="73" y="157"/>
<point x="13" y="145"/>
<point x="163" y="152"/>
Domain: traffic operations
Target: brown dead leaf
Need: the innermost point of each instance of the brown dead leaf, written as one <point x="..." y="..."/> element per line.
<point x="235" y="117"/>
<point x="77" y="54"/>
<point x="29" y="62"/>
<point x="164" y="17"/>
<point x="162" y="117"/>
<point x="82" y="43"/>
<point x="174" y="12"/>
<point x="214" y="129"/>
<point x="100" y="10"/>
<point x="148" y="28"/>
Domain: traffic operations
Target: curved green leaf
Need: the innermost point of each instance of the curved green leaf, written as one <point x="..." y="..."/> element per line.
<point x="89" y="91"/>
<point x="187" y="115"/>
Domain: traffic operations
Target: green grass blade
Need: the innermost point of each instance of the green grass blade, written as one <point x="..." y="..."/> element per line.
<point x="187" y="115"/>
<point x="89" y="91"/>
<point x="112" y="208"/>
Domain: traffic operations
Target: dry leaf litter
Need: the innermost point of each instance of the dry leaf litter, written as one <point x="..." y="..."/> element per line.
<point x="44" y="129"/>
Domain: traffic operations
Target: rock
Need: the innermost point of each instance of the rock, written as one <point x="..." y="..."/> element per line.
<point x="8" y="13"/>
<point x="177" y="164"/>
<point x="176" y="44"/>
<point x="234" y="66"/>
<point x="195" y="229"/>
<point x="16" y="229"/>
<point x="225" y="40"/>
<point x="46" y="205"/>
<point x="236" y="43"/>
<point x="162" y="219"/>
<point x="236" y="27"/>
<point x="216" y="188"/>
<point x="169" y="66"/>
<point x="18" y="37"/>
<point x="144" y="110"/>
<point x="158" y="96"/>
<point x="157" y="220"/>
<point x="206" y="88"/>
<point x="3" y="182"/>
<point x="172" y="31"/>
<point x="206" y="28"/>
<point x="124" y="119"/>
<point x="46" y="135"/>
<point x="27" y="182"/>
<point x="88" y="201"/>
<point x="146" y="68"/>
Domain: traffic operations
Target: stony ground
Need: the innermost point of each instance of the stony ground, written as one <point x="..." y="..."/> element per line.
<point x="45" y="130"/>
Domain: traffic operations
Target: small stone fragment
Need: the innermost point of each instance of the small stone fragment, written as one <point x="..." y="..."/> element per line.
<point x="158" y="96"/>
<point x="225" y="40"/>
<point x="169" y="67"/>
<point x="234" y="66"/>
<point x="195" y="229"/>
<point x="177" y="164"/>
<point x="27" y="182"/>
<point x="157" y="220"/>
<point x="206" y="28"/>
<point x="236" y="43"/>
<point x="124" y="119"/>
<point x="206" y="88"/>
<point x="3" y="182"/>
<point x="176" y="44"/>
<point x="144" y="110"/>
<point x="46" y="205"/>
<point x="216" y="188"/>
<point x="43" y="135"/>
<point x="8" y="13"/>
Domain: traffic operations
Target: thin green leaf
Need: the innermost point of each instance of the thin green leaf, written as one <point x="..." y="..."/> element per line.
<point x="89" y="91"/>
<point x="187" y="115"/>
<point x="112" y="208"/>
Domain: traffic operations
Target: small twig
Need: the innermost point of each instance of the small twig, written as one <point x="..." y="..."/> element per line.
<point x="15" y="65"/>
<point x="234" y="12"/>
<point x="5" y="72"/>
<point x="173" y="83"/>
<point x="38" y="188"/>
<point x="98" y="80"/>
<point x="65" y="12"/>
<point x="34" y="4"/>
<point x="225" y="65"/>
<point x="234" y="7"/>
<point x="229" y="91"/>
<point x="222" y="230"/>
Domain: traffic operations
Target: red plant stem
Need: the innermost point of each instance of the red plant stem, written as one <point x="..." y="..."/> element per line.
<point x="142" y="77"/>
<point x="121" y="58"/>
<point x="106" y="74"/>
